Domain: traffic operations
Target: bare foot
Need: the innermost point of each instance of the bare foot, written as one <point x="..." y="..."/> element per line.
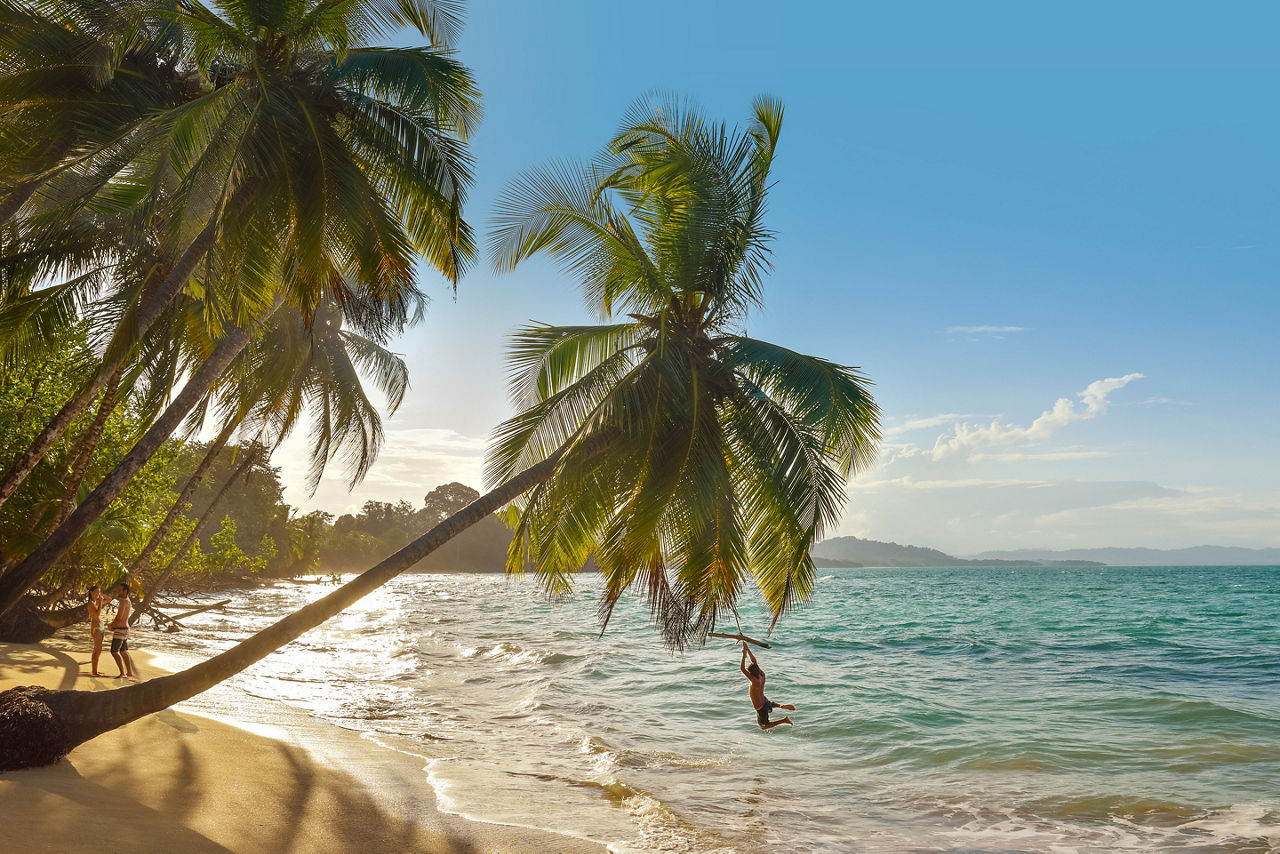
<point x="132" y="678"/>
<point x="786" y="720"/>
<point x="787" y="706"/>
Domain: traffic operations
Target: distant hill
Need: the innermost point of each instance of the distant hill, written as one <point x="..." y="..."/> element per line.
<point x="1196" y="556"/>
<point x="853" y="551"/>
<point x="832" y="563"/>
<point x="875" y="553"/>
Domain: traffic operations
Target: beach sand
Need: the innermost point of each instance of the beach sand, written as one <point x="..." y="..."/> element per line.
<point x="176" y="781"/>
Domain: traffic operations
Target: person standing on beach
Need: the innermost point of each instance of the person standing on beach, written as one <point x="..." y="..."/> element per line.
<point x="94" y="606"/>
<point x="120" y="635"/>
<point x="763" y="705"/>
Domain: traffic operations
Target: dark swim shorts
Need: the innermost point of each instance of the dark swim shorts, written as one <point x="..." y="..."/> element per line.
<point x="120" y="644"/>
<point x="762" y="713"/>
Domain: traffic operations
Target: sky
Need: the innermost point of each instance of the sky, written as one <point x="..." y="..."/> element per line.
<point x="1048" y="232"/>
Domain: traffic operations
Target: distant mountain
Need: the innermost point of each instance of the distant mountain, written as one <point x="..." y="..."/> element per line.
<point x="852" y="551"/>
<point x="1196" y="556"/>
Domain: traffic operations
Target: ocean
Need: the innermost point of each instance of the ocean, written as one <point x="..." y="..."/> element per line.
<point x="1040" y="709"/>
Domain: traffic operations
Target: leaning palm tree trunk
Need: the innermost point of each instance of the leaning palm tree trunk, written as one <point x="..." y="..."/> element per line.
<point x="16" y="198"/>
<point x="113" y="359"/>
<point x="39" y="726"/>
<point x="88" y="444"/>
<point x="157" y="587"/>
<point x="60" y="618"/>
<point x="143" y="560"/>
<point x="21" y="192"/>
<point x="18" y="580"/>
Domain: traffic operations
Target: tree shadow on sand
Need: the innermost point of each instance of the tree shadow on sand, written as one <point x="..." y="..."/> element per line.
<point x="152" y="788"/>
<point x="28" y="663"/>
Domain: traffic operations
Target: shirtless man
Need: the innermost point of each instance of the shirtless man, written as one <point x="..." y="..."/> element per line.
<point x="120" y="635"/>
<point x="94" y="605"/>
<point x="763" y="704"/>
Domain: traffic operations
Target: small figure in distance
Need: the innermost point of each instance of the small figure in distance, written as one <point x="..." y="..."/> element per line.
<point x="94" y="606"/>
<point x="120" y="635"/>
<point x="763" y="704"/>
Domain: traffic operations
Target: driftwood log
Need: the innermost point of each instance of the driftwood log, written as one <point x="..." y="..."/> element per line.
<point x="172" y="619"/>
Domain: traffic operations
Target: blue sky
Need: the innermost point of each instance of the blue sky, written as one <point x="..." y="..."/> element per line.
<point x="1050" y="235"/>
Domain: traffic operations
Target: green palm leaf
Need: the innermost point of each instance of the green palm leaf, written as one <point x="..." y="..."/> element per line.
<point x="726" y="457"/>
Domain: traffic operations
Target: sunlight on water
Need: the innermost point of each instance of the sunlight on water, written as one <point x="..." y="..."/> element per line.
<point x="940" y="709"/>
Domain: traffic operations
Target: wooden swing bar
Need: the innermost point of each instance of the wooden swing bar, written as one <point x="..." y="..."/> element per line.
<point x="739" y="637"/>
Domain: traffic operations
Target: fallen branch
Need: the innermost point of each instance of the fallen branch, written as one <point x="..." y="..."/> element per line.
<point x="200" y="610"/>
<point x="158" y="615"/>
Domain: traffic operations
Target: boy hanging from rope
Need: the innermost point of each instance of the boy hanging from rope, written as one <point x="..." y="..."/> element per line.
<point x="763" y="704"/>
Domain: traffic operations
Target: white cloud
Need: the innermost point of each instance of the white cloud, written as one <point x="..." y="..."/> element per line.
<point x="968" y="438"/>
<point x="944" y="498"/>
<point x="983" y="330"/>
<point x="1048" y="456"/>
<point x="922" y="423"/>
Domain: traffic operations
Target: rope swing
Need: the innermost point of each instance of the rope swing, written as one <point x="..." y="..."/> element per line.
<point x="739" y="636"/>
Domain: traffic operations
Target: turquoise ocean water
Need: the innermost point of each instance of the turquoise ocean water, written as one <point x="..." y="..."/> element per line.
<point x="1041" y="709"/>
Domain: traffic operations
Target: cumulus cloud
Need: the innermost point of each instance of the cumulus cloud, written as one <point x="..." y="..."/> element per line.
<point x="983" y="330"/>
<point x="967" y="439"/>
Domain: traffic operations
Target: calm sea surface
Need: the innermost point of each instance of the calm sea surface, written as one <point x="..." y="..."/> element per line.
<point x="1046" y="709"/>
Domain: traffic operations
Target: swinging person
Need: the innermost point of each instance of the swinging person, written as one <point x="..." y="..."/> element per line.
<point x="763" y="705"/>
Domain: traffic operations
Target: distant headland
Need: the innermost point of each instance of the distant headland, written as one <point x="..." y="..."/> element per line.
<point x="854" y="551"/>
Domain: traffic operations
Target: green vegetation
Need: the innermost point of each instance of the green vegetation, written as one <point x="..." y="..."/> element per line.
<point x="231" y="200"/>
<point x="354" y="541"/>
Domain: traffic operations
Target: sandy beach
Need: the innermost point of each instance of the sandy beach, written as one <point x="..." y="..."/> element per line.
<point x="176" y="781"/>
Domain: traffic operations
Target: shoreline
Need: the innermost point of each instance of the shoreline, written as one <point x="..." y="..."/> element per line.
<point x="196" y="781"/>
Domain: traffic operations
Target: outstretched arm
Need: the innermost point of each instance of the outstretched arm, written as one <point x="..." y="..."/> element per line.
<point x="742" y="665"/>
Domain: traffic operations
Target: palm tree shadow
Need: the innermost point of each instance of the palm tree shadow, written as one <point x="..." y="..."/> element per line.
<point x="156" y="789"/>
<point x="65" y="798"/>
<point x="27" y="662"/>
<point x="177" y="721"/>
<point x="357" y="822"/>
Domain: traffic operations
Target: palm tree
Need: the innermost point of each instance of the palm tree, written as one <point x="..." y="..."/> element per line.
<point x="78" y="80"/>
<point x="330" y="167"/>
<point x="346" y="417"/>
<point x="81" y="82"/>
<point x="729" y="455"/>
<point x="300" y="366"/>
<point x="681" y="454"/>
<point x="308" y="163"/>
<point x="19" y="579"/>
